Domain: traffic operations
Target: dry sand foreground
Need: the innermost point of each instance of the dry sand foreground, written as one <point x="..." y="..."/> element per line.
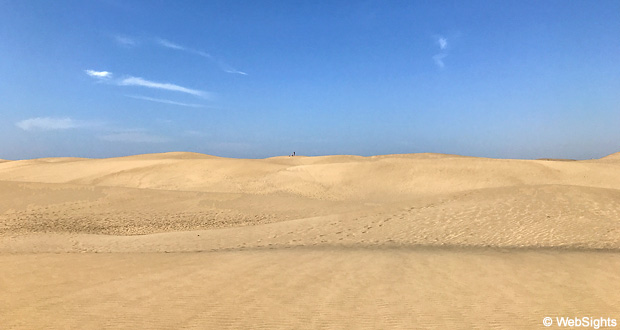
<point x="184" y="240"/>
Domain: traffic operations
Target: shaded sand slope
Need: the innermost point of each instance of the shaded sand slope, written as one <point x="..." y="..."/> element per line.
<point x="538" y="216"/>
<point x="42" y="207"/>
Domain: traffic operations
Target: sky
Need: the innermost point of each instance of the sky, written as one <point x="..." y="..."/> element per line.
<point x="254" y="79"/>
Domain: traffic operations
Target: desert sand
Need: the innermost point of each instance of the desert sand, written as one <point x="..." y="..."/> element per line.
<point x="186" y="240"/>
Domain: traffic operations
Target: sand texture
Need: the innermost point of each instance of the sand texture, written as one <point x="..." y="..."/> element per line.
<point x="186" y="240"/>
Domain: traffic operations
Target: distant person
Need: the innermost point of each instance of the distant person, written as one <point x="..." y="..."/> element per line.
<point x="293" y="153"/>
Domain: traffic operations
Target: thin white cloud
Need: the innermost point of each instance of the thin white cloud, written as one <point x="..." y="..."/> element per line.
<point x="229" y="69"/>
<point x="99" y="74"/>
<point x="444" y="45"/>
<point x="203" y="54"/>
<point x="134" y="137"/>
<point x="223" y="66"/>
<point x="137" y="81"/>
<point x="442" y="42"/>
<point x="146" y="98"/>
<point x="439" y="60"/>
<point x="172" y="45"/>
<point x="125" y="41"/>
<point x="49" y="123"/>
<point x="169" y="44"/>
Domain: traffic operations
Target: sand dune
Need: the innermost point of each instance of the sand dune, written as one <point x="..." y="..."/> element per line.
<point x="615" y="157"/>
<point x="355" y="242"/>
<point x="329" y="177"/>
<point x="186" y="191"/>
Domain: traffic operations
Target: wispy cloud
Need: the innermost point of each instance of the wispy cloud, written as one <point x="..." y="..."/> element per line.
<point x="169" y="44"/>
<point x="50" y="123"/>
<point x="172" y="45"/>
<point x="140" y="82"/>
<point x="223" y="66"/>
<point x="125" y="41"/>
<point x="137" y="81"/>
<point x="99" y="74"/>
<point x="229" y="69"/>
<point x="146" y="98"/>
<point x="442" y="42"/>
<point x="130" y="42"/>
<point x="439" y="60"/>
<point x="134" y="137"/>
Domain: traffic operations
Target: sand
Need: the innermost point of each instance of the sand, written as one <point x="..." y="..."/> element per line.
<point x="185" y="240"/>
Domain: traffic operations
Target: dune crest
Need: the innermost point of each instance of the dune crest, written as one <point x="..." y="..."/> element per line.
<point x="614" y="156"/>
<point x="168" y="155"/>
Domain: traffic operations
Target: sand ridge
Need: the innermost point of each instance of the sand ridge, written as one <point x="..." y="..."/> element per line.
<point x="186" y="191"/>
<point x="332" y="176"/>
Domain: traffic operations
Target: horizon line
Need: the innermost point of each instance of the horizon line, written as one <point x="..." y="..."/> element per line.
<point x="321" y="155"/>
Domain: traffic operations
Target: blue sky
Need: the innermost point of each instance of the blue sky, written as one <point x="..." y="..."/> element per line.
<point x="253" y="79"/>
